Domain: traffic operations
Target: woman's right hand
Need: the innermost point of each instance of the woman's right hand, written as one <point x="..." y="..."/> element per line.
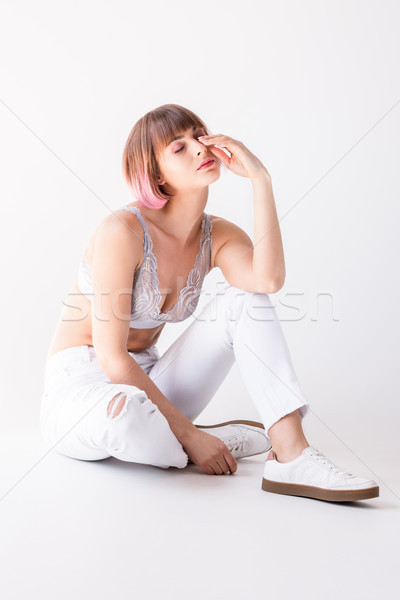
<point x="209" y="453"/>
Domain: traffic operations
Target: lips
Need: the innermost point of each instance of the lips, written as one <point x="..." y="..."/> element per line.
<point x="208" y="161"/>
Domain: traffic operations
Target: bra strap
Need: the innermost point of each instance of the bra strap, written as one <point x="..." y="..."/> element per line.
<point x="137" y="212"/>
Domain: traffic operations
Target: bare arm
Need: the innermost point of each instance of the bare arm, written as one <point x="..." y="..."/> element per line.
<point x="116" y="254"/>
<point x="205" y="450"/>
<point x="122" y="368"/>
<point x="268" y="254"/>
<point x="259" y="267"/>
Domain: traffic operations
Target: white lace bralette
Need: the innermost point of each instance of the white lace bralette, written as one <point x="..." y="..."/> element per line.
<point x="146" y="295"/>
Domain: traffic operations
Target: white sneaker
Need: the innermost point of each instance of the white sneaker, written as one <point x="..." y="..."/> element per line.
<point x="243" y="438"/>
<point x="313" y="475"/>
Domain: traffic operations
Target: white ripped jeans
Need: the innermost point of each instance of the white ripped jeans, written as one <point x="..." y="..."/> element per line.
<point x="235" y="325"/>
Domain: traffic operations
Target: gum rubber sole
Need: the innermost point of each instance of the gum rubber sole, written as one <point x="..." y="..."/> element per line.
<point x="310" y="491"/>
<point x="239" y="422"/>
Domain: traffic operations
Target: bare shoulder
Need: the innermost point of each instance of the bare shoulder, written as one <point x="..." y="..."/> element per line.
<point x="220" y="229"/>
<point x="120" y="225"/>
<point x="223" y="227"/>
<point x="121" y="221"/>
<point x="223" y="231"/>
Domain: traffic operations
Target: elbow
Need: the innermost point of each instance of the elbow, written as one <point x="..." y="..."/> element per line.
<point x="114" y="365"/>
<point x="271" y="287"/>
<point x="277" y="285"/>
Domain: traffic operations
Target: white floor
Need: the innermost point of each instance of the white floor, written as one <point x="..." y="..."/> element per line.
<point x="109" y="529"/>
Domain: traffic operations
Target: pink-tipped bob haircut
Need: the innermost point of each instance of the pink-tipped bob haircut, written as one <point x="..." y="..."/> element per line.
<point x="148" y="137"/>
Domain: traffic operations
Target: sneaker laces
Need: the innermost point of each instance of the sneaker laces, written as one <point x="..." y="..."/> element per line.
<point x="325" y="461"/>
<point x="234" y="444"/>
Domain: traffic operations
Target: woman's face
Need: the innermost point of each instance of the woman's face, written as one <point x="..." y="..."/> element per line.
<point x="179" y="163"/>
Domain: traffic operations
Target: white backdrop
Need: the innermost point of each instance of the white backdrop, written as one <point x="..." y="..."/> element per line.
<point x="312" y="88"/>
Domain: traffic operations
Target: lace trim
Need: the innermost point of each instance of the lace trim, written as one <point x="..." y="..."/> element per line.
<point x="146" y="295"/>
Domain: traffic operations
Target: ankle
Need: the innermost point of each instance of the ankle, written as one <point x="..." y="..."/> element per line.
<point x="286" y="455"/>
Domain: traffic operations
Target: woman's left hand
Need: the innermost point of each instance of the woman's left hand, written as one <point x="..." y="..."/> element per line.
<point x="241" y="162"/>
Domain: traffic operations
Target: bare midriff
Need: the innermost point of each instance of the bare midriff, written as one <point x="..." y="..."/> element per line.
<point x="74" y="327"/>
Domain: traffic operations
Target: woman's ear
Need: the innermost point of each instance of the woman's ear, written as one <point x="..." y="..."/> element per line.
<point x="160" y="179"/>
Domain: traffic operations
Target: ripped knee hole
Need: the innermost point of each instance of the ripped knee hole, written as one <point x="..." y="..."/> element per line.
<point x="114" y="407"/>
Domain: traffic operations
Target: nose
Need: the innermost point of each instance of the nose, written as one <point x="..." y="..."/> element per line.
<point x="202" y="147"/>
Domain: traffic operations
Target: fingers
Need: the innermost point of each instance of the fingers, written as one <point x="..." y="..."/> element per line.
<point x="226" y="464"/>
<point x="231" y="461"/>
<point x="223" y="465"/>
<point x="218" y="470"/>
<point x="216" y="459"/>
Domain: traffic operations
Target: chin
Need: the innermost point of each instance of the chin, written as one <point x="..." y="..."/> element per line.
<point x="212" y="175"/>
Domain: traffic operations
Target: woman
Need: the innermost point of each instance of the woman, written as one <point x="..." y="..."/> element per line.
<point x="108" y="392"/>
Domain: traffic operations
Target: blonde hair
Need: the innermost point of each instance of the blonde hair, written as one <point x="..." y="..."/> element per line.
<point x="148" y="137"/>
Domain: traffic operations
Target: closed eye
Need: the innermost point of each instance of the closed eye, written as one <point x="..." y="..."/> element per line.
<point x="195" y="137"/>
